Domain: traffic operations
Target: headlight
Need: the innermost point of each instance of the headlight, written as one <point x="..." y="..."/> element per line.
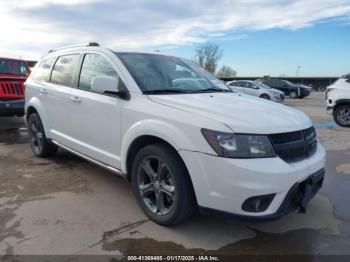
<point x="239" y="145"/>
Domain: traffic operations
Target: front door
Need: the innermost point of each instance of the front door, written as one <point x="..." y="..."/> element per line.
<point x="95" y="117"/>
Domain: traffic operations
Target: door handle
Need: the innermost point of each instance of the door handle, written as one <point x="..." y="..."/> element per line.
<point x="43" y="91"/>
<point x="75" y="99"/>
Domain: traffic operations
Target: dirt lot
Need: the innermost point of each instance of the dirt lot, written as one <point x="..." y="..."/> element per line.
<point x="65" y="205"/>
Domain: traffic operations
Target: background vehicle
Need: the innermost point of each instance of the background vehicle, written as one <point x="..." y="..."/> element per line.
<point x="290" y="89"/>
<point x="338" y="100"/>
<point x="183" y="140"/>
<point x="304" y="86"/>
<point x="257" y="89"/>
<point x="13" y="74"/>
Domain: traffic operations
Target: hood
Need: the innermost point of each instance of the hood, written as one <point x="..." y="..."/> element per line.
<point x="242" y="113"/>
<point x="304" y="86"/>
<point x="13" y="77"/>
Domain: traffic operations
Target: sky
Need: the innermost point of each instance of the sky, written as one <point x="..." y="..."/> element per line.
<point x="258" y="37"/>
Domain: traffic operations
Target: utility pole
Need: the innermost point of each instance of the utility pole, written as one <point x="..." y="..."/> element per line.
<point x="298" y="68"/>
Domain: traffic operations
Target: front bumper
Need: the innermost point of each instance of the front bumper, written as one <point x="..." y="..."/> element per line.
<point x="278" y="98"/>
<point x="297" y="197"/>
<point x="303" y="92"/>
<point x="12" y="107"/>
<point x="224" y="184"/>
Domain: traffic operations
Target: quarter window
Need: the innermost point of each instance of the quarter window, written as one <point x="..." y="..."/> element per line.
<point x="63" y="71"/>
<point x="42" y="71"/>
<point x="94" y="65"/>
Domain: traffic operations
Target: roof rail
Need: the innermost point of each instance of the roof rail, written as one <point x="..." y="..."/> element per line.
<point x="65" y="47"/>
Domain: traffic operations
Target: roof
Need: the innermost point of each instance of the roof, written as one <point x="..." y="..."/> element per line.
<point x="96" y="46"/>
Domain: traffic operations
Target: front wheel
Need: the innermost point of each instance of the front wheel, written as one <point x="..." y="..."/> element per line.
<point x="161" y="185"/>
<point x="342" y="115"/>
<point x="265" y="96"/>
<point x="39" y="144"/>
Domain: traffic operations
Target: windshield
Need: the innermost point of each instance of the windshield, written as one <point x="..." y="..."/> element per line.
<point x="261" y="85"/>
<point x="165" y="74"/>
<point x="13" y="67"/>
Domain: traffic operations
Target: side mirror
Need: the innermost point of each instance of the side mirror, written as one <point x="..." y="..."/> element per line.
<point x="105" y="85"/>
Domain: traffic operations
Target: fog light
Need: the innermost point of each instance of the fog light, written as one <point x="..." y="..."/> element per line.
<point x="258" y="203"/>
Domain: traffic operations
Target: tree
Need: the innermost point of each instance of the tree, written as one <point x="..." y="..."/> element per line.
<point x="226" y="71"/>
<point x="208" y="56"/>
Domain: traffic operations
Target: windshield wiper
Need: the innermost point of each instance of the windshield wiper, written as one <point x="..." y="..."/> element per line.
<point x="214" y="89"/>
<point x="165" y="91"/>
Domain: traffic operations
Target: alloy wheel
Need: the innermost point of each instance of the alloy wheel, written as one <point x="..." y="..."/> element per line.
<point x="343" y="116"/>
<point x="156" y="185"/>
<point x="37" y="137"/>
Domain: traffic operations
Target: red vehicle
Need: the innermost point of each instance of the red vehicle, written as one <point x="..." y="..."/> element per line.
<point x="13" y="74"/>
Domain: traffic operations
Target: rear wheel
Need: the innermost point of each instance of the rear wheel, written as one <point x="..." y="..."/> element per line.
<point x="342" y="115"/>
<point x="39" y="144"/>
<point x="161" y="185"/>
<point x="265" y="96"/>
<point x="293" y="95"/>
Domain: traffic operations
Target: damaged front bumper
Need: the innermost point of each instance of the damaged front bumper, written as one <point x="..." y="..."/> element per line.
<point x="299" y="196"/>
<point x="297" y="199"/>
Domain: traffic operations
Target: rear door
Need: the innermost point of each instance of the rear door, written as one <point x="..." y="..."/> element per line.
<point x="95" y="117"/>
<point x="57" y="93"/>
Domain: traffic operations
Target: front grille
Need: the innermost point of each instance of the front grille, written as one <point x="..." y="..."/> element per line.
<point x="282" y="97"/>
<point x="11" y="89"/>
<point x="295" y="146"/>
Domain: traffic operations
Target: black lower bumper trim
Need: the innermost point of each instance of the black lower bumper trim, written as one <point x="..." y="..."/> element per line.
<point x="297" y="198"/>
<point x="12" y="107"/>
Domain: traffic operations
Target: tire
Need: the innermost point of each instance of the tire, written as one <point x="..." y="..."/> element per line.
<point x="39" y="144"/>
<point x="342" y="115"/>
<point x="178" y="203"/>
<point x="293" y="94"/>
<point x="265" y="96"/>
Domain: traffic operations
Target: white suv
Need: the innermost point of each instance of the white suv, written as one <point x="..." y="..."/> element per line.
<point x="338" y="100"/>
<point x="183" y="139"/>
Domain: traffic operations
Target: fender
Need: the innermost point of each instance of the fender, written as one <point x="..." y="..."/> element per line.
<point x="163" y="130"/>
<point x="38" y="106"/>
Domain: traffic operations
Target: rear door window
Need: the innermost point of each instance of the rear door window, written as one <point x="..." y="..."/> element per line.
<point x="63" y="70"/>
<point x="247" y="85"/>
<point x="42" y="71"/>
